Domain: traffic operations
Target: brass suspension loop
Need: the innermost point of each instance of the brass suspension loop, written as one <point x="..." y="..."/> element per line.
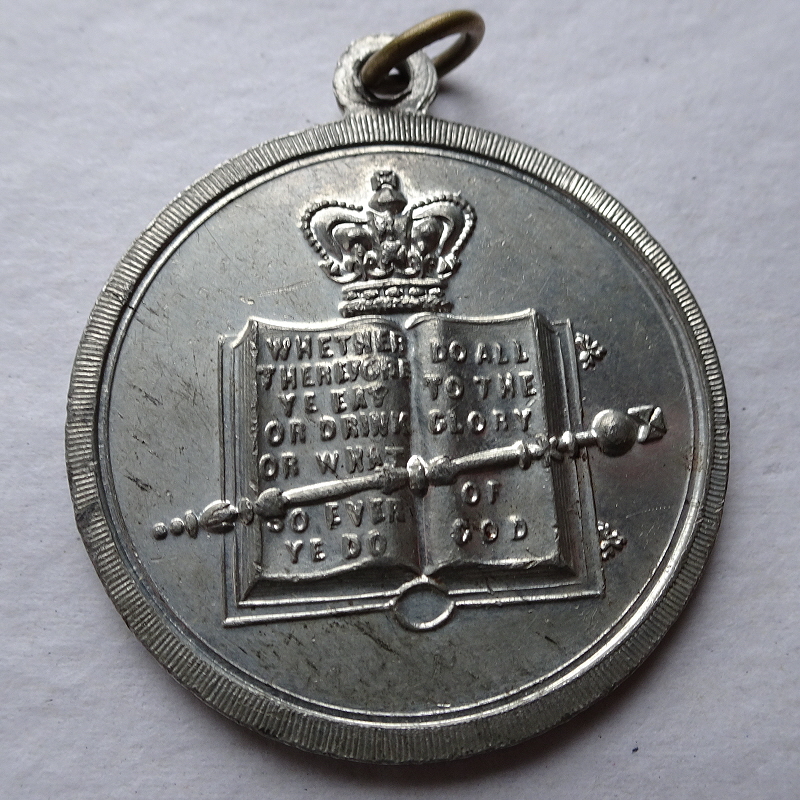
<point x="375" y="72"/>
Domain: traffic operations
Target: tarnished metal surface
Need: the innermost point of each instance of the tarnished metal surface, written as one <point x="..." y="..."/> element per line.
<point x="397" y="440"/>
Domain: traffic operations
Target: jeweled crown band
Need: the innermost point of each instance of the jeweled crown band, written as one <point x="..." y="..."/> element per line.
<point x="386" y="297"/>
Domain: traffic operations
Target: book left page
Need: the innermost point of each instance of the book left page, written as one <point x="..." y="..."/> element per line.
<point x="316" y="404"/>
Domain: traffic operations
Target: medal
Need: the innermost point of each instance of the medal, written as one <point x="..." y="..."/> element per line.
<point x="395" y="439"/>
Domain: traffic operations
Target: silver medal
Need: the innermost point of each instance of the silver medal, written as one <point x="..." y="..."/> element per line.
<point x="395" y="439"/>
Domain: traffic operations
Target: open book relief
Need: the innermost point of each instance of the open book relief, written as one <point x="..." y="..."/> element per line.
<point x="369" y="456"/>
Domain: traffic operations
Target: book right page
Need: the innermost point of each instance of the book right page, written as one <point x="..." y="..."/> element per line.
<point x="481" y="385"/>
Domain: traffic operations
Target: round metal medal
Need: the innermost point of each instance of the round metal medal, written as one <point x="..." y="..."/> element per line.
<point x="395" y="439"/>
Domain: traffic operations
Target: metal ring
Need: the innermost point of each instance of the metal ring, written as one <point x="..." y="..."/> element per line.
<point x="415" y="95"/>
<point x="468" y="23"/>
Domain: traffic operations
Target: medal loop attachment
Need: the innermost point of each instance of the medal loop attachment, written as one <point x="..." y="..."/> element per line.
<point x="364" y="79"/>
<point x="351" y="94"/>
<point x="375" y="73"/>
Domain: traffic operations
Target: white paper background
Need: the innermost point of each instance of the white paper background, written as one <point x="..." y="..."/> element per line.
<point x="687" y="111"/>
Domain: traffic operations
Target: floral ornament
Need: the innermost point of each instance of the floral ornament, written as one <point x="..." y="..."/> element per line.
<point x="590" y="351"/>
<point x="611" y="542"/>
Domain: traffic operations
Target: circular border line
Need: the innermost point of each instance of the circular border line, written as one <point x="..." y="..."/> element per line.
<point x="232" y="694"/>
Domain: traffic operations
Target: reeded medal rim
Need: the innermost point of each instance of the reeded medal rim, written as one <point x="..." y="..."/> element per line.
<point x="229" y="692"/>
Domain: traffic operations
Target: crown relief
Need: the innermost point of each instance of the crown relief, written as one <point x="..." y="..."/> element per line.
<point x="392" y="256"/>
